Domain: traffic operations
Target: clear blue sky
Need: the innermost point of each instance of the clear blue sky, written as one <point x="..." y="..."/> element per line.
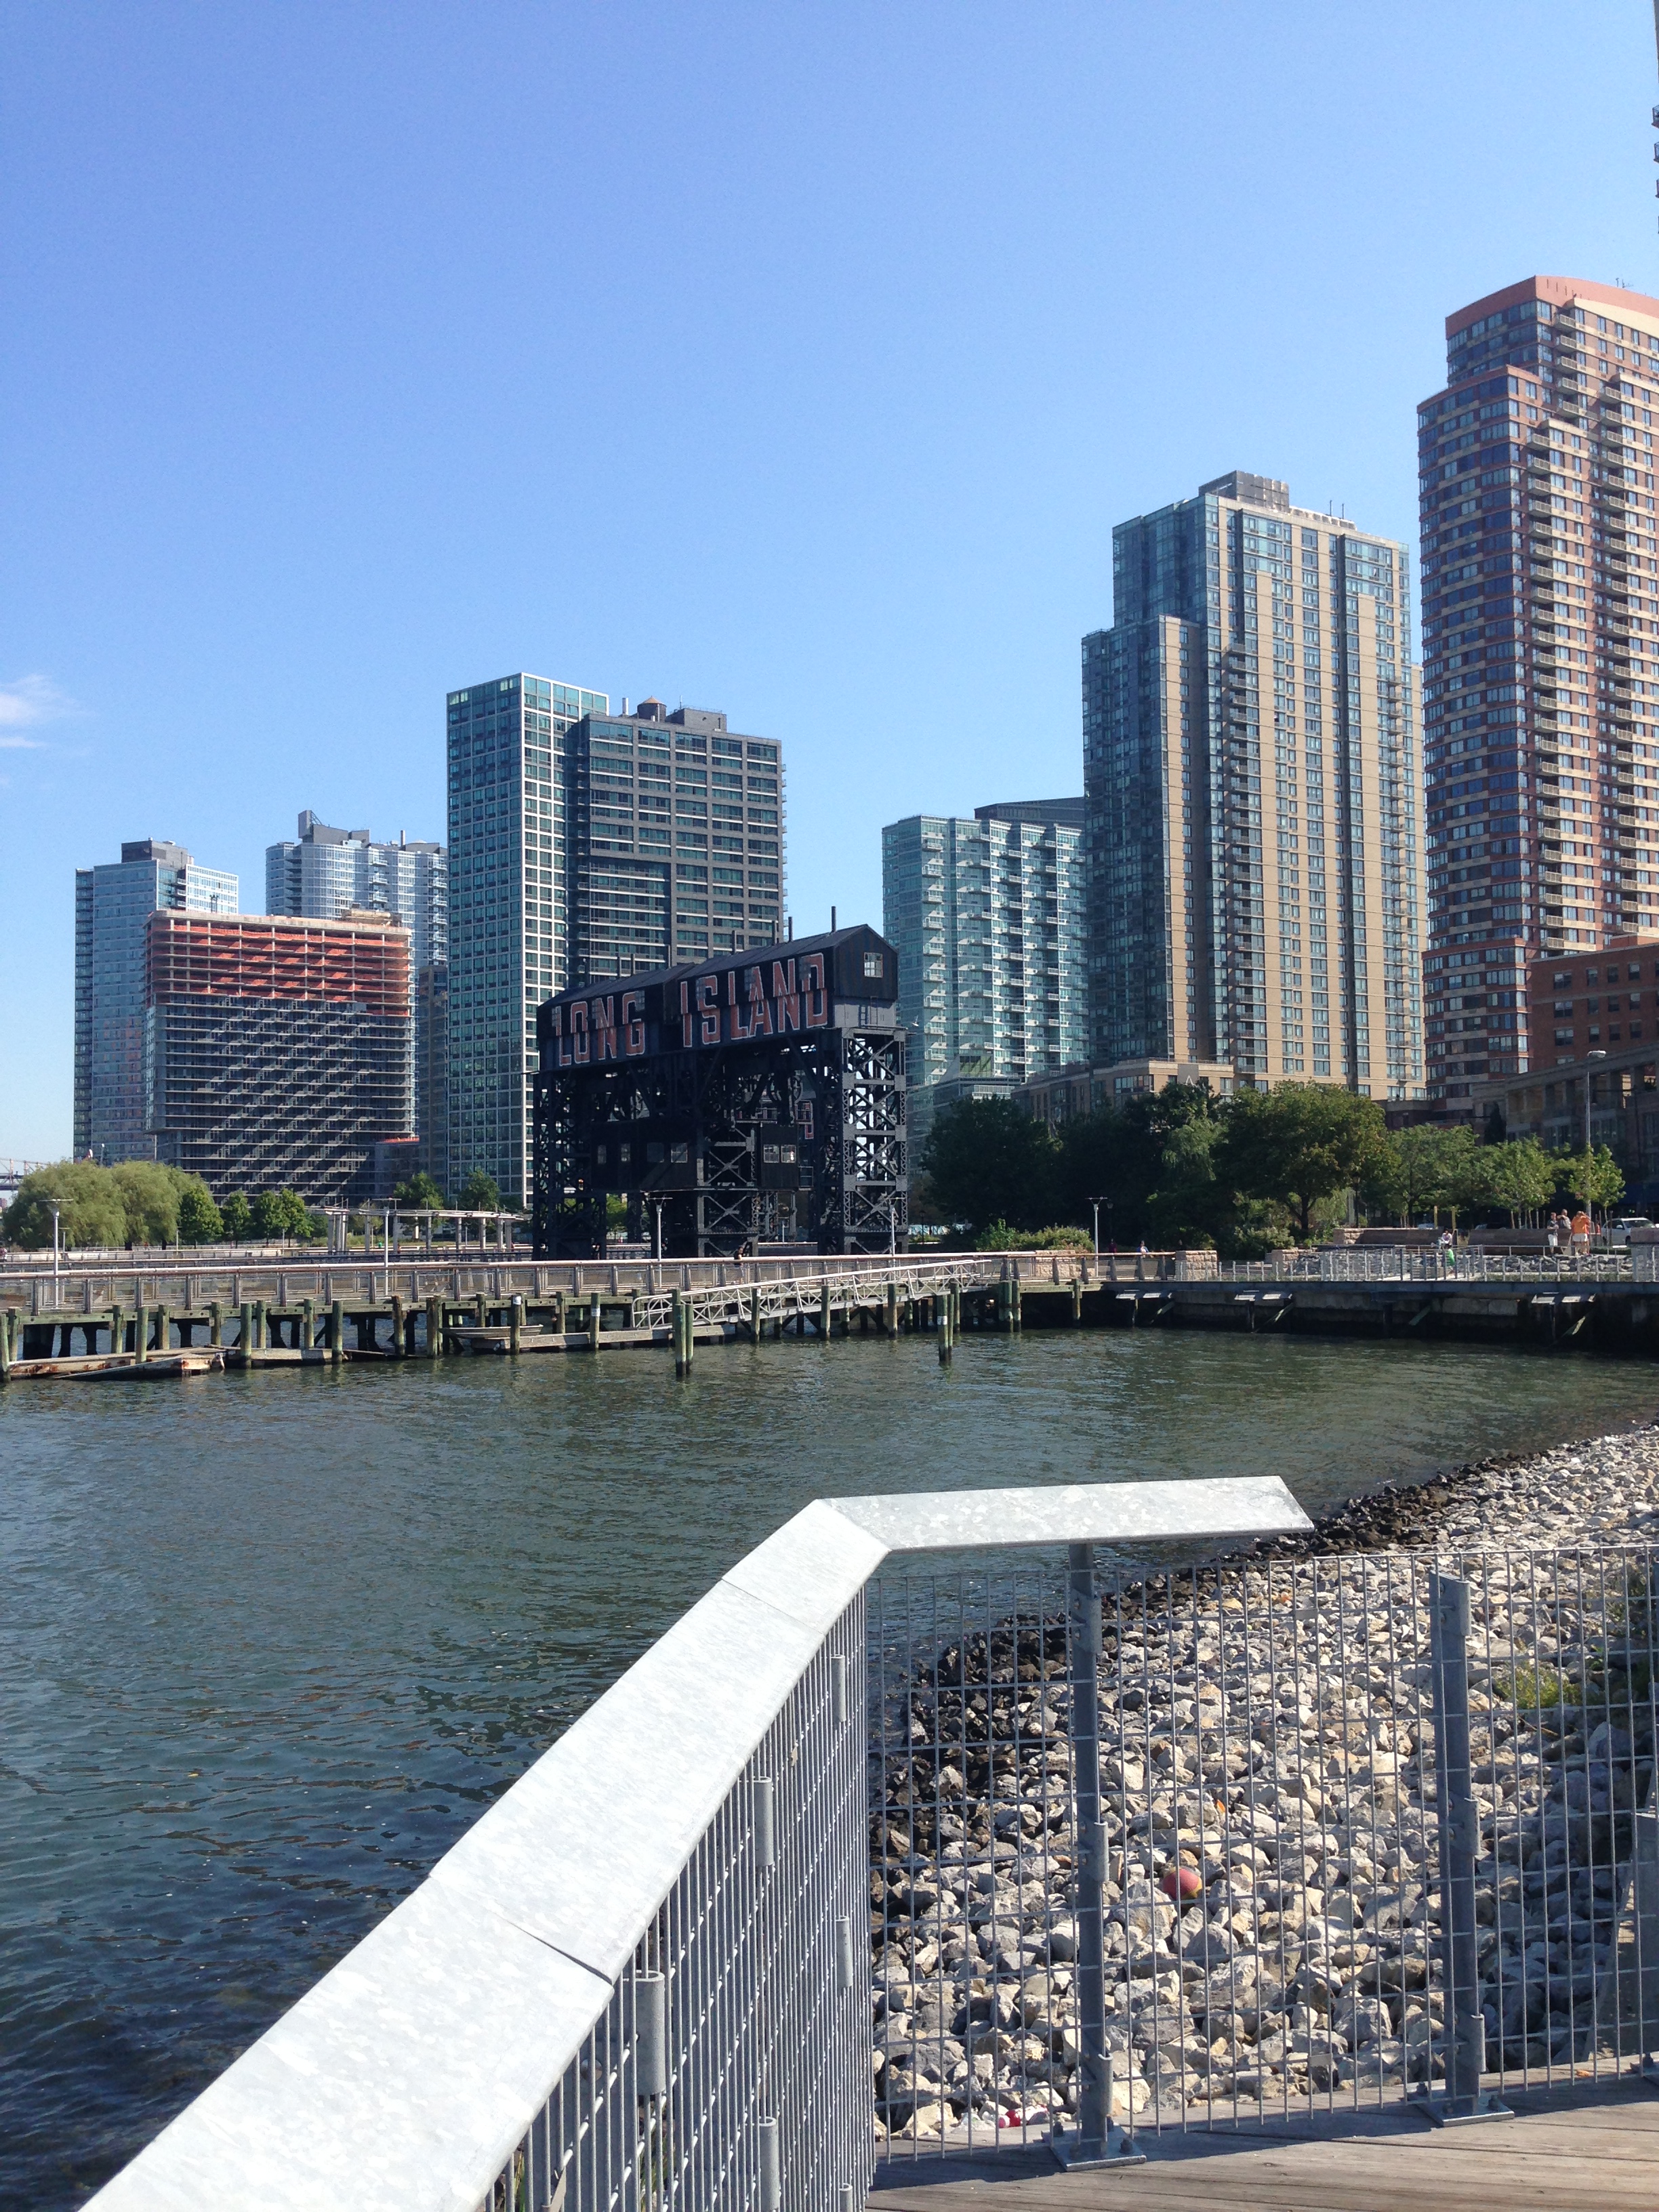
<point x="792" y="359"/>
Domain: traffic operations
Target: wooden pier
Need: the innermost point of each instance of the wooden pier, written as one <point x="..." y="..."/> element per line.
<point x="1591" y="2150"/>
<point x="323" y="1313"/>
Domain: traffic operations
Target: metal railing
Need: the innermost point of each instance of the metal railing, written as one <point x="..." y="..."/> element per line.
<point x="1429" y="1264"/>
<point x="643" y="1977"/>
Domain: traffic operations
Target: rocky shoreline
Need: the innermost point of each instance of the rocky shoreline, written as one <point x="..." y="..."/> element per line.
<point x="1266" y="1747"/>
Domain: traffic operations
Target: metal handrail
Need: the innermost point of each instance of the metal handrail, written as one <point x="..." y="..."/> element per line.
<point x="511" y="2021"/>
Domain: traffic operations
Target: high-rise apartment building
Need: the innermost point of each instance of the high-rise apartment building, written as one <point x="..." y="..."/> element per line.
<point x="1541" y="645"/>
<point x="112" y="904"/>
<point x="276" y="1049"/>
<point x="987" y="916"/>
<point x="508" y="936"/>
<point x="1252" y="780"/>
<point x="324" y="872"/>
<point x="673" y="818"/>
<point x="578" y="839"/>
<point x="432" y="1070"/>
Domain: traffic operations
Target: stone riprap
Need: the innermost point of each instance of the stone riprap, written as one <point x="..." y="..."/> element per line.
<point x="1265" y="1727"/>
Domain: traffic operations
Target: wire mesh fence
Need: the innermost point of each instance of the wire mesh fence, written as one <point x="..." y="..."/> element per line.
<point x="1304" y="1785"/>
<point x="730" y="2068"/>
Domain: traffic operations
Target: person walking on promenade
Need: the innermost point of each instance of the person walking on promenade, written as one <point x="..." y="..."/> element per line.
<point x="1581" y="1232"/>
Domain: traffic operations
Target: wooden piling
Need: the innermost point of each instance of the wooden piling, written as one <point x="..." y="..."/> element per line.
<point x="244" y="1330"/>
<point x="514" y="1325"/>
<point x="337" y="1333"/>
<point x="308" y="1324"/>
<point x="215" y="1323"/>
<point x="140" y="1335"/>
<point x="398" y="1346"/>
<point x="824" y="1309"/>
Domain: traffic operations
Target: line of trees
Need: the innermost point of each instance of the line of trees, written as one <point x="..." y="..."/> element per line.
<point x="1184" y="1168"/>
<point x="141" y="1202"/>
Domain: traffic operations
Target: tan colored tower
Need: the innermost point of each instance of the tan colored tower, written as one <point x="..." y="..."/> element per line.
<point x="1252" y="773"/>
<point x="1541" y="644"/>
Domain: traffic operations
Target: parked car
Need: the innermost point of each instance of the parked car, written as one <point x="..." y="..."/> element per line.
<point x="1618" y="1232"/>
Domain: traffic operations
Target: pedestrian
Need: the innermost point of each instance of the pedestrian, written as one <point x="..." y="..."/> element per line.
<point x="1581" y="1231"/>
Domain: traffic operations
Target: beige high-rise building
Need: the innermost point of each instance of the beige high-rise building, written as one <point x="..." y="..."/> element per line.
<point x="1254" y="804"/>
<point x="1540" y="648"/>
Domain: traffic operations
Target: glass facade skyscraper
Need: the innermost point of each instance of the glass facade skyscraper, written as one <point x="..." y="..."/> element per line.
<point x="112" y="904"/>
<point x="508" y="939"/>
<point x="323" y="872"/>
<point x="577" y="840"/>
<point x="1251" y="774"/>
<point x="987" y="916"/>
<point x="1540" y="647"/>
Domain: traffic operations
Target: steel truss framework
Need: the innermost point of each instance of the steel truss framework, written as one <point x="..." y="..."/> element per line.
<point x="797" y="1140"/>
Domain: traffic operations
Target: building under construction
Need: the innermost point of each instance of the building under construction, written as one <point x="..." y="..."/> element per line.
<point x="277" y="1049"/>
<point x="753" y="1100"/>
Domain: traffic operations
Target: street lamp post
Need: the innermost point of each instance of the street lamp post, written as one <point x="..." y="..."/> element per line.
<point x="1097" y="1203"/>
<point x="656" y="1207"/>
<point x="892" y="1227"/>
<point x="54" y="1257"/>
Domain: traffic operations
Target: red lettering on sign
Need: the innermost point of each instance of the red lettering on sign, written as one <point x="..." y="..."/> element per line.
<point x="579" y="1032"/>
<point x="708" y="1008"/>
<point x="633" y="1026"/>
<point x="812" y="984"/>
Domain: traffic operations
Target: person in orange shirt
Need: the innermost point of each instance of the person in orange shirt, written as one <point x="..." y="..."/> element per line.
<point x="1581" y="1230"/>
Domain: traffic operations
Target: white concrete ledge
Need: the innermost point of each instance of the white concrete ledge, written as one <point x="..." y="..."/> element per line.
<point x="408" y="2074"/>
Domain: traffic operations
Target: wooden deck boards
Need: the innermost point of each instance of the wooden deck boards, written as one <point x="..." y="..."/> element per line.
<point x="1558" y="2154"/>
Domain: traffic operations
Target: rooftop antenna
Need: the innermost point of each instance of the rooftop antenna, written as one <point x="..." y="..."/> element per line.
<point x="832" y="910"/>
<point x="1655" y="44"/>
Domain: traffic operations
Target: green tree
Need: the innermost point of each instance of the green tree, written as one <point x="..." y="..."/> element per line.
<point x="1519" y="1177"/>
<point x="151" y="1194"/>
<point x="200" y="1221"/>
<point x="420" y="1194"/>
<point x="480" y="1193"/>
<point x="89" y="1200"/>
<point x="1422" y="1170"/>
<point x="1594" y="1178"/>
<point x="988" y="1160"/>
<point x="281" y="1213"/>
<point x="238" y="1217"/>
<point x="1301" y="1142"/>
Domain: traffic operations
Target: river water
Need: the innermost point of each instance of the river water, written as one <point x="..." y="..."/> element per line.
<point x="270" y="1642"/>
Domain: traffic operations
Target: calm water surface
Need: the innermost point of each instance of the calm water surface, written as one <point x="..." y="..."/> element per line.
<point x="269" y="1642"/>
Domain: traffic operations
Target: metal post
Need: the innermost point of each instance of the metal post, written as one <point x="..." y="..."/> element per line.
<point x="824" y="1309"/>
<point x="946" y="1331"/>
<point x="596" y="1311"/>
<point x="1465" y="2028"/>
<point x="650" y="2034"/>
<point x="1097" y="2140"/>
<point x="892" y="1310"/>
<point x="515" y="1324"/>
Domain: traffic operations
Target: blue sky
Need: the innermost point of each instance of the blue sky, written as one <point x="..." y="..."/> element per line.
<point x="790" y="360"/>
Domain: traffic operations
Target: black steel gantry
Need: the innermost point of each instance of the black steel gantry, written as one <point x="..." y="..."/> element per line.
<point x="755" y="1099"/>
